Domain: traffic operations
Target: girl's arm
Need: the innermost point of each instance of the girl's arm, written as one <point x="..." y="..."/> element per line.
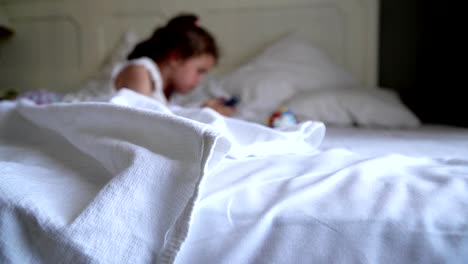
<point x="218" y="105"/>
<point x="136" y="78"/>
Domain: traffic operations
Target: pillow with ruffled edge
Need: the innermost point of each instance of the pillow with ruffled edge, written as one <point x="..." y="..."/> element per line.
<point x="348" y="107"/>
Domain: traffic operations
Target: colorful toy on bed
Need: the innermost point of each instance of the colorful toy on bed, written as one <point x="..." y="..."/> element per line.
<point x="282" y="118"/>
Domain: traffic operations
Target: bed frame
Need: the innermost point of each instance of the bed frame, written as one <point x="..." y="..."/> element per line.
<point x="60" y="43"/>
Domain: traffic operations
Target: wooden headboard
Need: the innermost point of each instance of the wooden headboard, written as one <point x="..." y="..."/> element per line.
<point x="60" y="43"/>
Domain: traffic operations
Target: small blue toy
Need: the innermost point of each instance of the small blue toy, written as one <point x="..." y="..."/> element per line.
<point x="282" y="118"/>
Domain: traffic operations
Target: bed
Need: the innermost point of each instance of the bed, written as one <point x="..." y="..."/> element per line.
<point x="358" y="179"/>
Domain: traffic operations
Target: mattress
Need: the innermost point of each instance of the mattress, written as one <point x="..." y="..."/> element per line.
<point x="437" y="141"/>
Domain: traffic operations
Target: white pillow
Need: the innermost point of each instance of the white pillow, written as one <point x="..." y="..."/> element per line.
<point x="97" y="87"/>
<point x="118" y="55"/>
<point x="361" y="107"/>
<point x="321" y="105"/>
<point x="288" y="66"/>
<point x="302" y="64"/>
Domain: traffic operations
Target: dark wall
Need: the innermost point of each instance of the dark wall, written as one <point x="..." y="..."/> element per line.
<point x="422" y="56"/>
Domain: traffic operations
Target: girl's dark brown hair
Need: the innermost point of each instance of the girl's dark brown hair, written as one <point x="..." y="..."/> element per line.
<point x="182" y="35"/>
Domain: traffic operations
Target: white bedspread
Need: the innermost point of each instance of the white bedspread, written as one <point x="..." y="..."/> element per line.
<point x="135" y="182"/>
<point x="115" y="183"/>
<point x="92" y="183"/>
<point x="332" y="207"/>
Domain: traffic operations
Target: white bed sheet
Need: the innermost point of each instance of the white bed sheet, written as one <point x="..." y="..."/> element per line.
<point x="370" y="196"/>
<point x="336" y="206"/>
<point x="345" y="202"/>
<point x="437" y="141"/>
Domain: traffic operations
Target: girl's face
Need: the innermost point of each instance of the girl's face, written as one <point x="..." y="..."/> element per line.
<point x="187" y="74"/>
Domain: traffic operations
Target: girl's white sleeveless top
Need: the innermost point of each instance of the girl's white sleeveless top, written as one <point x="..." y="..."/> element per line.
<point x="153" y="70"/>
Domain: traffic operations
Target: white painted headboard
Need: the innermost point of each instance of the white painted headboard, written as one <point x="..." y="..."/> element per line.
<point x="60" y="43"/>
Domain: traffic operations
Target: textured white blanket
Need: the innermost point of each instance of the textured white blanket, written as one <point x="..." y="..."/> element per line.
<point x="246" y="138"/>
<point x="114" y="182"/>
<point x="99" y="183"/>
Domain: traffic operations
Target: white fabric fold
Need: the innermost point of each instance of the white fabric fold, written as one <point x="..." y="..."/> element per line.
<point x="246" y="138"/>
<point x="98" y="182"/>
<point x="115" y="182"/>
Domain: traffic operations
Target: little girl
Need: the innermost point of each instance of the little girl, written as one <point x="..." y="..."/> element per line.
<point x="174" y="59"/>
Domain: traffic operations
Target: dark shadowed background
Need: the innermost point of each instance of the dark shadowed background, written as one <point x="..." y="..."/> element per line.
<point x="423" y="56"/>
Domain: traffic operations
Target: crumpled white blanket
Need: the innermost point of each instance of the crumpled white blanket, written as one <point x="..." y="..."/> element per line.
<point x="246" y="138"/>
<point x="115" y="182"/>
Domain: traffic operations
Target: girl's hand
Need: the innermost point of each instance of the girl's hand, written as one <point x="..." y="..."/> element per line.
<point x="217" y="104"/>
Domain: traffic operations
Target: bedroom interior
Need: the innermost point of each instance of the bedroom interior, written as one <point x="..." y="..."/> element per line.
<point x="413" y="37"/>
<point x="128" y="179"/>
<point x="74" y="39"/>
